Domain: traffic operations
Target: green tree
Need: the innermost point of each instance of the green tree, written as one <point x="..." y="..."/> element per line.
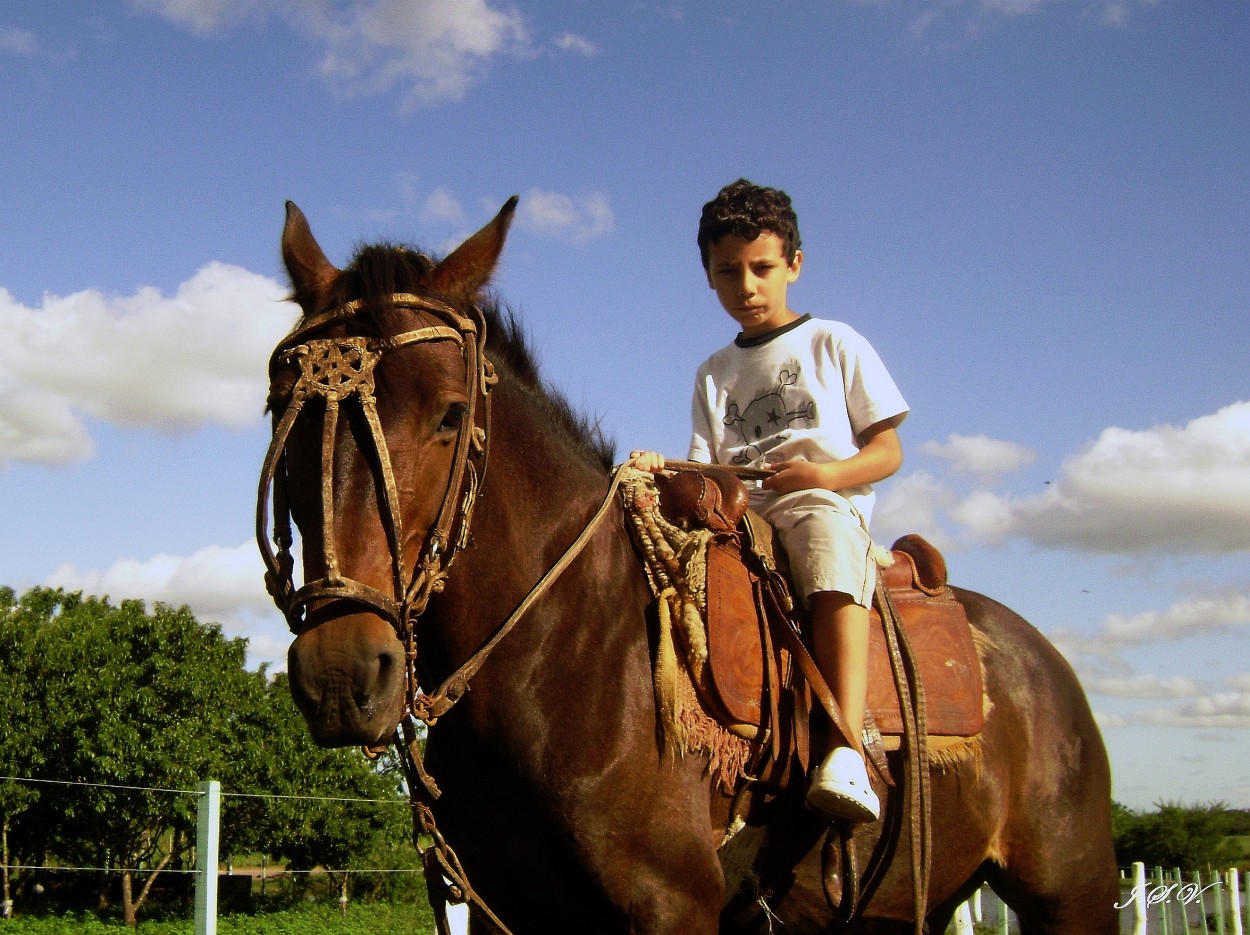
<point x="135" y="702"/>
<point x="20" y="755"/>
<point x="143" y="705"/>
<point x="344" y="812"/>
<point x="1175" y="835"/>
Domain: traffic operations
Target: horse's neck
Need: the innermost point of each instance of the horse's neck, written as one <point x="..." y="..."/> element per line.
<point x="538" y="494"/>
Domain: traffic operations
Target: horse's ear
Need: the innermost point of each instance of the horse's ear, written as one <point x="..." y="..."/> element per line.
<point x="311" y="273"/>
<point x="463" y="274"/>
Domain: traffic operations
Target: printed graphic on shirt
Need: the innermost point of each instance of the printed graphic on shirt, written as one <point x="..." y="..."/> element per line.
<point x="762" y="423"/>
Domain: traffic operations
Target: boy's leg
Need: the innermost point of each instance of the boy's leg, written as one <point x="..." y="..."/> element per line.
<point x="840" y="787"/>
<point x="829" y="551"/>
<point x="839" y="628"/>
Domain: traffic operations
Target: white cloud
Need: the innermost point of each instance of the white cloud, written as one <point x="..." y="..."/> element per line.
<point x="433" y="49"/>
<point x="984" y="514"/>
<point x="912" y="503"/>
<point x="1111" y="721"/>
<point x="150" y="360"/>
<point x="220" y="585"/>
<point x="1240" y="682"/>
<point x="1167" y="489"/>
<point x="20" y="42"/>
<point x="1110" y="12"/>
<point x="980" y="455"/>
<point x="1196" y="617"/>
<point x="963" y="20"/>
<point x="200" y="16"/>
<point x="436" y="48"/>
<point x="37" y="428"/>
<point x="570" y="42"/>
<point x="1143" y="686"/>
<point x="25" y="44"/>
<point x="579" y="219"/>
<point x="1220" y="710"/>
<point x="441" y="206"/>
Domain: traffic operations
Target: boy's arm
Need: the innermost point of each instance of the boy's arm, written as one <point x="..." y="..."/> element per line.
<point x="879" y="457"/>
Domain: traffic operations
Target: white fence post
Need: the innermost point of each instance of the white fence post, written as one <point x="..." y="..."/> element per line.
<point x="458" y="918"/>
<point x="208" y="821"/>
<point x="1139" y="898"/>
<point x="963" y="919"/>
<point x="1234" y="899"/>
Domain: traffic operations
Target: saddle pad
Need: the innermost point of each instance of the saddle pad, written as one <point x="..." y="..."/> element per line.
<point x="950" y="671"/>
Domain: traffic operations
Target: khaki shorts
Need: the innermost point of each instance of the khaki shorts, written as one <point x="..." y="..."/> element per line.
<point x="827" y="542"/>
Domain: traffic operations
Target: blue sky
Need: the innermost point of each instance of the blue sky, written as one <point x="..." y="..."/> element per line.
<point x="1037" y="210"/>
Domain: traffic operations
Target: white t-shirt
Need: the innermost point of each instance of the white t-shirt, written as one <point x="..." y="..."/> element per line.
<point x="802" y="392"/>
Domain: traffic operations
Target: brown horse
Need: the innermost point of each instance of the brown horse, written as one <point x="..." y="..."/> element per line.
<point x="557" y="792"/>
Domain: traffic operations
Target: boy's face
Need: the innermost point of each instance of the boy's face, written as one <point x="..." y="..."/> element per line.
<point x="751" y="278"/>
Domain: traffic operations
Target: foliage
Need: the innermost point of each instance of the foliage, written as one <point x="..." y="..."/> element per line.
<point x="144" y="705"/>
<point x="314" y="919"/>
<point x="1174" y="835"/>
<point x="307" y="832"/>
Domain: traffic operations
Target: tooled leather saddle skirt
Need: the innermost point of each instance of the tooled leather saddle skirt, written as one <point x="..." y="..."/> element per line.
<point x="744" y="660"/>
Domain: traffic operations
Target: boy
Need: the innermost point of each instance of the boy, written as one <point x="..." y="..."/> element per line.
<point x="811" y="400"/>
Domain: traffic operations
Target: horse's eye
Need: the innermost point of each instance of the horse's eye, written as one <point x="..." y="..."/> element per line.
<point x="453" y="417"/>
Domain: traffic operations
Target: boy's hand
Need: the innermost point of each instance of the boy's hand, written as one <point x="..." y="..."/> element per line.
<point x="798" y="475"/>
<point x="651" y="461"/>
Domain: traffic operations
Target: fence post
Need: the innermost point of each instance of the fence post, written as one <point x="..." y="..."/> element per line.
<point x="1218" y="878"/>
<point x="1234" y="900"/>
<point x="1181" y="901"/>
<point x="1003" y="924"/>
<point x="1139" y="898"/>
<point x="1202" y="903"/>
<point x="963" y="919"/>
<point x="1246" y="895"/>
<point x="208" y="821"/>
<point x="1164" y="925"/>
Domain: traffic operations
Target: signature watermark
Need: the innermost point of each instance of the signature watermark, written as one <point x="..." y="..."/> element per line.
<point x="1156" y="893"/>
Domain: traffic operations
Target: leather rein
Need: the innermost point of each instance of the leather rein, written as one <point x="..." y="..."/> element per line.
<point x="336" y="369"/>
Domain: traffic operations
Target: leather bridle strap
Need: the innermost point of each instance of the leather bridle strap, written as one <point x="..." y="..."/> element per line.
<point x="334" y="369"/>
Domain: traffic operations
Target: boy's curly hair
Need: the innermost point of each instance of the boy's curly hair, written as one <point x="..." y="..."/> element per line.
<point x="747" y="210"/>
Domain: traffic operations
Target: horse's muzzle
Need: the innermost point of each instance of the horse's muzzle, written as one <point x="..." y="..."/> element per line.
<point x="347" y="679"/>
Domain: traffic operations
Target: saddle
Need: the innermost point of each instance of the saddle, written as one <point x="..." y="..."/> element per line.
<point x="749" y="664"/>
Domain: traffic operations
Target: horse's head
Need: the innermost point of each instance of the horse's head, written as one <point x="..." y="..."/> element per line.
<point x="381" y="410"/>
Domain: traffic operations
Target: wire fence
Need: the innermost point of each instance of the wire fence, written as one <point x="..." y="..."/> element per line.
<point x="197" y="793"/>
<point x="1156" y="902"/>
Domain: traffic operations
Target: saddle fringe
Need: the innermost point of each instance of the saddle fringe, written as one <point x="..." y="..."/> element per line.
<point x="675" y="563"/>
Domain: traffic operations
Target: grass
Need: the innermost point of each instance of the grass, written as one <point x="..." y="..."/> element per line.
<point x="310" y="919"/>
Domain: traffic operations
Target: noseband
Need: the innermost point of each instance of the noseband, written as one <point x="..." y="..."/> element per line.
<point x="334" y="370"/>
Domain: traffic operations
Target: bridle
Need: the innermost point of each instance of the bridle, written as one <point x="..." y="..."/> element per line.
<point x="334" y="370"/>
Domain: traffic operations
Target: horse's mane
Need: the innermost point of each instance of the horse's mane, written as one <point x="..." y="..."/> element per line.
<point x="380" y="270"/>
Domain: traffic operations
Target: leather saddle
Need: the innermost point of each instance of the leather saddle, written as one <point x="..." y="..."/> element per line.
<point x="749" y="670"/>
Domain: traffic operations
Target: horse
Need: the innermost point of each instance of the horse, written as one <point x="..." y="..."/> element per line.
<point x="403" y="382"/>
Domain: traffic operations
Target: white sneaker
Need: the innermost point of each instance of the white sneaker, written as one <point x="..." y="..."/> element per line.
<point x="840" y="788"/>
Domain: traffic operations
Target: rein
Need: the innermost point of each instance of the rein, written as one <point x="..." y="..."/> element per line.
<point x="337" y="369"/>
